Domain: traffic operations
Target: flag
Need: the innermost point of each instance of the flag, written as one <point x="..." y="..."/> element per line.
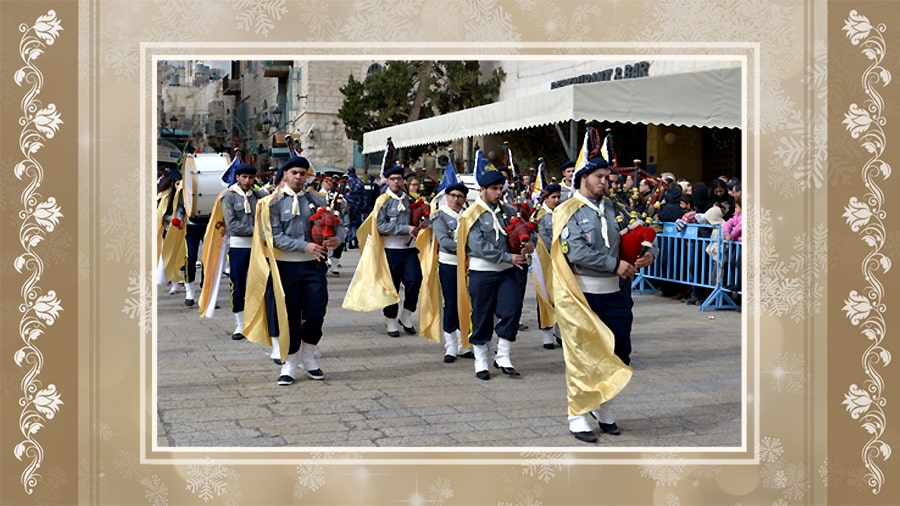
<point x="228" y="177"/>
<point x="481" y="164"/>
<point x="448" y="179"/>
<point x="387" y="160"/>
<point x="590" y="147"/>
<point x="508" y="159"/>
<point x="607" y="151"/>
<point x="538" y="182"/>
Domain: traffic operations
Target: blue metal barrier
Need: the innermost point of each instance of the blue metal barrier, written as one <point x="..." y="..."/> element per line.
<point x="691" y="257"/>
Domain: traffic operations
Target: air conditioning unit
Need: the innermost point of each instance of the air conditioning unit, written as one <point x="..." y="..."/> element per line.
<point x="442" y="160"/>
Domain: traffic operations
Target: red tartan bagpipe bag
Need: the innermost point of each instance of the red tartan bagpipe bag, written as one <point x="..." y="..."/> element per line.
<point x="419" y="211"/>
<point x="518" y="232"/>
<point x="325" y="222"/>
<point x="636" y="237"/>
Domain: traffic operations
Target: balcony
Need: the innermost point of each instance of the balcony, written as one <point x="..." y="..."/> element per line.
<point x="278" y="68"/>
<point x="231" y="87"/>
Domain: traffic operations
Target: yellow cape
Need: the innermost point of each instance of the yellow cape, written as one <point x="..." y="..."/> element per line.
<point x="213" y="258"/>
<point x="174" y="249"/>
<point x="594" y="374"/>
<point x="430" y="292"/>
<point x="463" y="302"/>
<point x="262" y="264"/>
<point x="162" y="202"/>
<point x="542" y="272"/>
<point x="371" y="288"/>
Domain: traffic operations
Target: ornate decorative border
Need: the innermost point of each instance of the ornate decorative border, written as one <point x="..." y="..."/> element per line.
<point x="866" y="310"/>
<point x="39" y="308"/>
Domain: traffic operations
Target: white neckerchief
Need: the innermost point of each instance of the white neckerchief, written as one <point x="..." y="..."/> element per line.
<point x="604" y="227"/>
<point x="498" y="229"/>
<point x="396" y="197"/>
<point x="295" y="205"/>
<point x="246" y="194"/>
<point x="546" y="209"/>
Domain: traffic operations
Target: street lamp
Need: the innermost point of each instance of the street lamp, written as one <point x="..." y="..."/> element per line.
<point x="277" y="114"/>
<point x="173" y="120"/>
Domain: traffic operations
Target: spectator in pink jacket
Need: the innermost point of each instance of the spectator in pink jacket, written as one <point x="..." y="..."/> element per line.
<point x="732" y="227"/>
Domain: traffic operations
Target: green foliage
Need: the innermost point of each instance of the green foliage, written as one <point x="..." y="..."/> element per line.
<point x="388" y="97"/>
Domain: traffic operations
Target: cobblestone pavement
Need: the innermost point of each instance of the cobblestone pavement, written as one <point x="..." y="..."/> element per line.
<point x="397" y="392"/>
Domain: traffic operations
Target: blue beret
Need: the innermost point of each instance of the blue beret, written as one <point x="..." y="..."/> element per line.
<point x="553" y="188"/>
<point x="295" y="161"/>
<point x="490" y="178"/>
<point x="591" y="165"/>
<point x="570" y="163"/>
<point x="245" y="168"/>
<point x="410" y="175"/>
<point x="460" y="187"/>
<point x="351" y="170"/>
<point x="390" y="171"/>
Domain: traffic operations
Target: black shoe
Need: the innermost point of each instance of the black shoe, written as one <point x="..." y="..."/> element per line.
<point x="277" y="361"/>
<point x="237" y="336"/>
<point x="393" y="333"/>
<point x="469" y="354"/>
<point x="510" y="371"/>
<point x="610" y="428"/>
<point x="587" y="437"/>
<point x="559" y="341"/>
<point x="316" y="374"/>
<point x="449" y="359"/>
<point x="188" y="302"/>
<point x="483" y="375"/>
<point x="549" y="346"/>
<point x="522" y="326"/>
<point x="409" y="330"/>
<point x="285" y="380"/>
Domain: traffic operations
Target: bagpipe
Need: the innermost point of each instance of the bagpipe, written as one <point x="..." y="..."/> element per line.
<point x="518" y="233"/>
<point x="637" y="236"/>
<point x="420" y="213"/>
<point x="326" y="220"/>
<point x="523" y="207"/>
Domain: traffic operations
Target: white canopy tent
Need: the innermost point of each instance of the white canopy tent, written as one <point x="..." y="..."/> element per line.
<point x="709" y="98"/>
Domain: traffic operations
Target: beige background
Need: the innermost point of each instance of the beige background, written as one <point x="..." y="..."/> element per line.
<point x="803" y="256"/>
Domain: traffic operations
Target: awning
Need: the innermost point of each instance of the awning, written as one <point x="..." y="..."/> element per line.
<point x="709" y="98"/>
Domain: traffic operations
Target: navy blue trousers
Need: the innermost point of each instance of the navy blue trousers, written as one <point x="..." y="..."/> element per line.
<point x="405" y="267"/>
<point x="238" y="265"/>
<point x="494" y="293"/>
<point x="447" y="275"/>
<point x="614" y="310"/>
<point x="306" y="298"/>
<point x="271" y="310"/>
<point x="193" y="236"/>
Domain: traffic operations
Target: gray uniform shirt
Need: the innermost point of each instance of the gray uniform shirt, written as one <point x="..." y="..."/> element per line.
<point x="545" y="228"/>
<point x="444" y="227"/>
<point x="483" y="241"/>
<point x="586" y="250"/>
<point x="391" y="219"/>
<point x="237" y="222"/>
<point x="293" y="232"/>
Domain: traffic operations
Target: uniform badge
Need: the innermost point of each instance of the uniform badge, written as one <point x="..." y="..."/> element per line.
<point x="564" y="246"/>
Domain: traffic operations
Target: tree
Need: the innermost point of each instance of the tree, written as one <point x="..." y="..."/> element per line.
<point x="407" y="91"/>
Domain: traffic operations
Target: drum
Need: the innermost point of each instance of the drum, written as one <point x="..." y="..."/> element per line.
<point x="203" y="182"/>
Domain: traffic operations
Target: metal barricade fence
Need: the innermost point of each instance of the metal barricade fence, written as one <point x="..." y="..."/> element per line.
<point x="692" y="257"/>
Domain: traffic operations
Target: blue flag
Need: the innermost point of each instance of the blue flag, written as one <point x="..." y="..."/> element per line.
<point x="481" y="164"/>
<point x="448" y="179"/>
<point x="228" y="176"/>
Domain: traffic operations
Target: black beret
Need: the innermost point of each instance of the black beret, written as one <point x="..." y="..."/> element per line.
<point x="460" y="187"/>
<point x="409" y="175"/>
<point x="295" y="161"/>
<point x="591" y="165"/>
<point x="390" y="171"/>
<point x="490" y="178"/>
<point x="568" y="164"/>
<point x="553" y="188"/>
<point x="245" y="168"/>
